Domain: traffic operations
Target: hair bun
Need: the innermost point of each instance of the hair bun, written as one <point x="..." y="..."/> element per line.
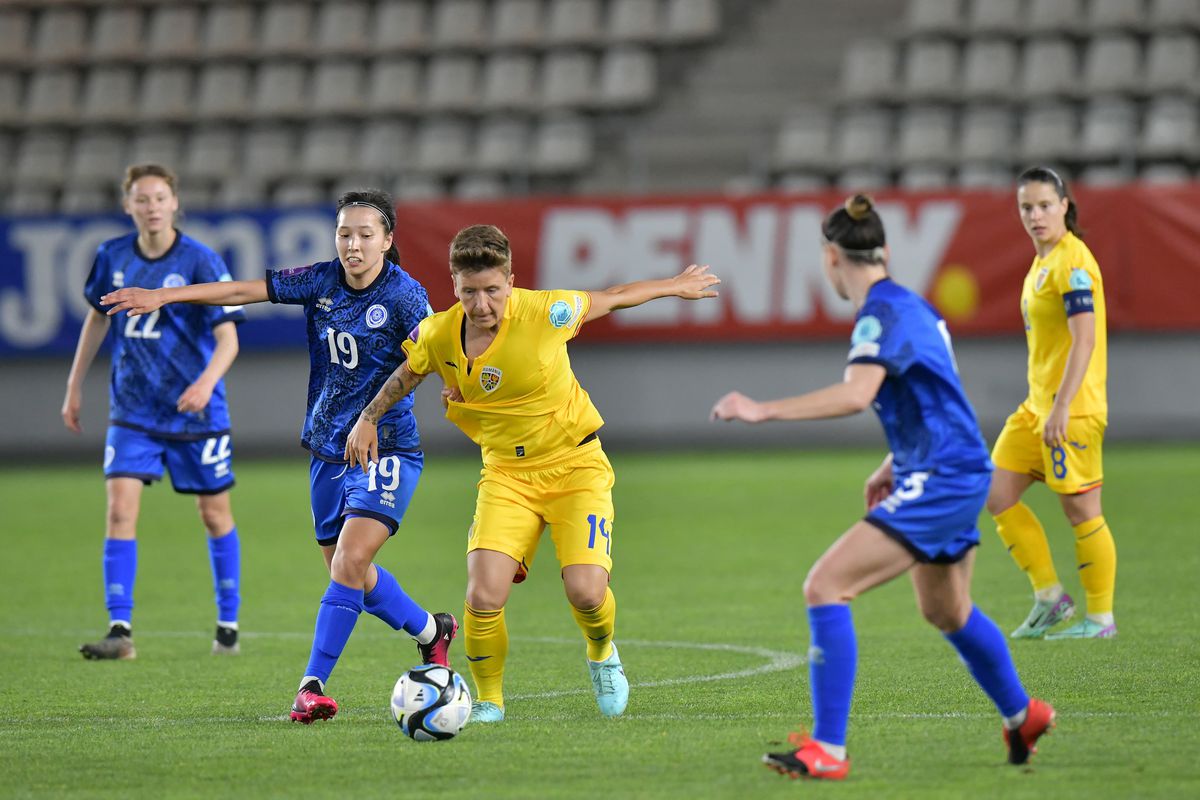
<point x="859" y="206"/>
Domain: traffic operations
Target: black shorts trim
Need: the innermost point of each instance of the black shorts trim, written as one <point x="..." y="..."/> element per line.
<point x="382" y="453"/>
<point x="144" y="477"/>
<point x="392" y="525"/>
<point x="912" y="549"/>
<point x="174" y="437"/>
<point x="206" y="492"/>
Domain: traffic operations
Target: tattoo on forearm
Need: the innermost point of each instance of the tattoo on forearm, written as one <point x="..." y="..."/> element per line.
<point x="398" y="385"/>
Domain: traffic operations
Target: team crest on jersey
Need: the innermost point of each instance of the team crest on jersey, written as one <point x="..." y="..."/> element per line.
<point x="376" y="316"/>
<point x="118" y="280"/>
<point x="174" y="281"/>
<point x="1040" y="280"/>
<point x="1080" y="280"/>
<point x="561" y="313"/>
<point x="489" y="379"/>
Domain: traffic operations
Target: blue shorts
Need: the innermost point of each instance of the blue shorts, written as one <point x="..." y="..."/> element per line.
<point x="339" y="493"/>
<point x="200" y="466"/>
<point x="935" y="517"/>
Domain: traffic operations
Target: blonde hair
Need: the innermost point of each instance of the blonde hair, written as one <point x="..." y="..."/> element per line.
<point x="135" y="172"/>
<point x="479" y="247"/>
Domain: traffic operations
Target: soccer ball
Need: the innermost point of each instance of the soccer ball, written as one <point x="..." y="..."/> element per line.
<point x="431" y="703"/>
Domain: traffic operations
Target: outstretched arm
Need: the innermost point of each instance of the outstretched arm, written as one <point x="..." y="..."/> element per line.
<point x="691" y="284"/>
<point x="218" y="293"/>
<point x="362" y="445"/>
<point x="91" y="336"/>
<point x="851" y="396"/>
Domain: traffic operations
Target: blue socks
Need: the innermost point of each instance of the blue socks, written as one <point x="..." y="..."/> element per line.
<point x="120" y="568"/>
<point x="832" y="662"/>
<point x="389" y="602"/>
<point x="983" y="648"/>
<point x="225" y="554"/>
<point x="336" y="617"/>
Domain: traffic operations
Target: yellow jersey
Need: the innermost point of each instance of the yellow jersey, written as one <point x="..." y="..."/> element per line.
<point x="521" y="402"/>
<point x="1066" y="282"/>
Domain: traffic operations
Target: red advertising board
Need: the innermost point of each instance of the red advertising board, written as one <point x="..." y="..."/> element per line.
<point x="966" y="252"/>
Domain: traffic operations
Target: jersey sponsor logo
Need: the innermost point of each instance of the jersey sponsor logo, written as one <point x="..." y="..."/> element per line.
<point x="489" y="379"/>
<point x="118" y="280"/>
<point x="1040" y="280"/>
<point x="867" y="329"/>
<point x="1080" y="279"/>
<point x="376" y="316"/>
<point x="561" y="313"/>
<point x="388" y="499"/>
<point x="173" y="281"/>
<point x="324" y="304"/>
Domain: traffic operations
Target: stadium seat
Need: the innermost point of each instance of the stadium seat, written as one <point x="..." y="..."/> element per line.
<point x="297" y="192"/>
<point x="1112" y="64"/>
<point x="109" y="95"/>
<point x="994" y="18"/>
<point x="443" y="146"/>
<point x="1106" y="175"/>
<point x="689" y="21"/>
<point x="268" y="151"/>
<point x="1127" y="16"/>
<point x="1109" y="129"/>
<point x="394" y="85"/>
<point x="986" y="134"/>
<point x="1044" y="17"/>
<point x="60" y="36"/>
<point x="211" y="154"/>
<point x="342" y="28"/>
<point x="509" y="82"/>
<point x="224" y="91"/>
<point x="240" y="191"/>
<point x="1171" y="129"/>
<point x="1173" y="63"/>
<point x="157" y="146"/>
<point x="452" y="83"/>
<point x="16" y="32"/>
<point x="11" y="109"/>
<point x="934" y="18"/>
<point x="399" y="26"/>
<point x="801" y="182"/>
<point x="97" y="156"/>
<point x="117" y="33"/>
<point x="1167" y="15"/>
<point x="985" y="175"/>
<point x="459" y="24"/>
<point x="868" y="70"/>
<point x="41" y="157"/>
<point x="989" y="69"/>
<point x="385" y="149"/>
<point x="1048" y="69"/>
<point x="337" y="88"/>
<point x="804" y="140"/>
<point x="926" y="136"/>
<point x="862" y="137"/>
<point x="568" y="79"/>
<point x="31" y="200"/>
<point x="573" y="22"/>
<point x="229" y="30"/>
<point x="628" y="77"/>
<point x="174" y="31"/>
<point x="517" y="23"/>
<point x="418" y="187"/>
<point x="477" y="186"/>
<point x="562" y="144"/>
<point x="862" y="179"/>
<point x="931" y="70"/>
<point x="1165" y="174"/>
<point x="327" y="149"/>
<point x="285" y="28"/>
<point x="52" y="96"/>
<point x="1048" y="132"/>
<point x="166" y="95"/>
<point x="280" y="90"/>
<point x="93" y="199"/>
<point x="632" y="21"/>
<point x="924" y="178"/>
<point x="502" y="145"/>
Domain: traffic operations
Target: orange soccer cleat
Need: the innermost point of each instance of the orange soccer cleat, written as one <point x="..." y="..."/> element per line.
<point x="809" y="760"/>
<point x="1022" y="742"/>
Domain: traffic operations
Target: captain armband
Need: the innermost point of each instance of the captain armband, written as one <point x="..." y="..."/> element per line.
<point x="1078" y="302"/>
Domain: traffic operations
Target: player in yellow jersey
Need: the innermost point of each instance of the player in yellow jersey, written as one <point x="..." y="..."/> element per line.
<point x="502" y="353"/>
<point x="1057" y="434"/>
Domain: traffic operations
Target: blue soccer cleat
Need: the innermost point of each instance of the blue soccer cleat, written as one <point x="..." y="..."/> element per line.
<point x="610" y="684"/>
<point x="1044" y="616"/>
<point x="485" y="711"/>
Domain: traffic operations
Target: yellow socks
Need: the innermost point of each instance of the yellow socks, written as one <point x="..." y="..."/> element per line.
<point x="1097" y="556"/>
<point x="486" y="648"/>
<point x="1025" y="538"/>
<point x="598" y="625"/>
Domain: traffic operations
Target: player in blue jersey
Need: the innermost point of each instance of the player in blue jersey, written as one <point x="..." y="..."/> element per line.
<point x="923" y="502"/>
<point x="359" y="309"/>
<point x="166" y="398"/>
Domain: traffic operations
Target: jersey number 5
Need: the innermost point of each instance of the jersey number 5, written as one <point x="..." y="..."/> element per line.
<point x="342" y="348"/>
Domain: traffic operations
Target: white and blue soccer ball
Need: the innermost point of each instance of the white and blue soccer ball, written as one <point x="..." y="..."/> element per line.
<point x="431" y="703"/>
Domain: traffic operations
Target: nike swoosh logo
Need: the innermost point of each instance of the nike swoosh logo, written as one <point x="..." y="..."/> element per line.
<point x="1077" y="445"/>
<point x="477" y="658"/>
<point x="450" y="364"/>
<point x="819" y="767"/>
<point x="598" y="638"/>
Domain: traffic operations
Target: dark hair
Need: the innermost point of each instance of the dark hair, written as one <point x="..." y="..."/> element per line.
<point x="136" y="172"/>
<point x="479" y="247"/>
<point x="1047" y="175"/>
<point x="857" y="229"/>
<point x="382" y="202"/>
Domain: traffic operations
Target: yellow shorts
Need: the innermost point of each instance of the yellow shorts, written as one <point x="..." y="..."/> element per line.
<point x="1073" y="468"/>
<point x="573" y="497"/>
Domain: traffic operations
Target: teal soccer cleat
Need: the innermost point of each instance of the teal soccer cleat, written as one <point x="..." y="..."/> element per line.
<point x="1044" y="616"/>
<point x="484" y="711"/>
<point x="1088" y="629"/>
<point x="610" y="684"/>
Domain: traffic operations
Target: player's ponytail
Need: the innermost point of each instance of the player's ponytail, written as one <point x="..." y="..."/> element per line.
<point x="1047" y="175"/>
<point x="857" y="229"/>
<point x="382" y="202"/>
<point x="480" y="247"/>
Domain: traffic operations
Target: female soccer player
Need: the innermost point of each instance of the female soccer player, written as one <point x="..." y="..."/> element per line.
<point x="1057" y="433"/>
<point x="502" y="353"/>
<point x="359" y="308"/>
<point x="922" y="502"/>
<point x="166" y="399"/>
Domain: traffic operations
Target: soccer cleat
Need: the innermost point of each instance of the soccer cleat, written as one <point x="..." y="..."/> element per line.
<point x="1088" y="629"/>
<point x="311" y="704"/>
<point x="225" y="643"/>
<point x="1044" y="616"/>
<point x="485" y="711"/>
<point x="1022" y="742"/>
<point x="438" y="650"/>
<point x="808" y="760"/>
<point x="117" y="645"/>
<point x="610" y="684"/>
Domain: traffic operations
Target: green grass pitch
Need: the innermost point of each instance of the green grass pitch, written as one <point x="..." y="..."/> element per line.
<point x="711" y="551"/>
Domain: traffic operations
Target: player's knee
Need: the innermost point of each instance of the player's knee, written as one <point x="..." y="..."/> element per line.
<point x="946" y="618"/>
<point x="999" y="501"/>
<point x="485" y="598"/>
<point x="585" y="597"/>
<point x="819" y="590"/>
<point x="217" y="522"/>
<point x="121" y="520"/>
<point x="349" y="567"/>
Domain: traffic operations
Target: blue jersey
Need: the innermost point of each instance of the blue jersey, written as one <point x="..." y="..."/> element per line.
<point x="354" y="338"/>
<point x="156" y="356"/>
<point x="929" y="423"/>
